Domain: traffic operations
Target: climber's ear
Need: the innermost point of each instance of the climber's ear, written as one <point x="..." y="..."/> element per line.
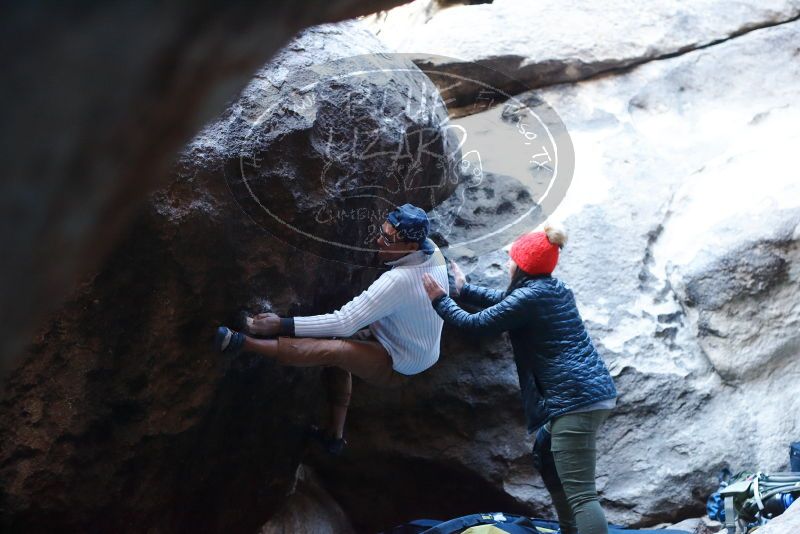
<point x="410" y="246"/>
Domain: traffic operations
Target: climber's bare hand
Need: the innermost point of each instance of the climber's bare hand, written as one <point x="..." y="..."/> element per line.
<point x="432" y="287"/>
<point x="265" y="324"/>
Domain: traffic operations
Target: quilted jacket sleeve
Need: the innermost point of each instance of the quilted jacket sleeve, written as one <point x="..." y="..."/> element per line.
<point x="510" y="313"/>
<point x="480" y="296"/>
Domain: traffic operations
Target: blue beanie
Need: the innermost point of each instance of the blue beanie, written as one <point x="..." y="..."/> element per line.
<point x="412" y="222"/>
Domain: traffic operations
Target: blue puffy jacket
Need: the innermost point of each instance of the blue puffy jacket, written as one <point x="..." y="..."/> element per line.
<point x="559" y="368"/>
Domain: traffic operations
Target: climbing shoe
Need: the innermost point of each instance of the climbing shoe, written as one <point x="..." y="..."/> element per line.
<point x="332" y="445"/>
<point x="228" y="341"/>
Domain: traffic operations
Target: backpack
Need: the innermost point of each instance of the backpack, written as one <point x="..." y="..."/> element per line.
<point x="749" y="500"/>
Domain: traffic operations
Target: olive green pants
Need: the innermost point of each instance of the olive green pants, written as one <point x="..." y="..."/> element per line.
<point x="565" y="454"/>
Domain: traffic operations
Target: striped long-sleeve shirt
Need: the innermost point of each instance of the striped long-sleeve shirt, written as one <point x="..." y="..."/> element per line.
<point x="396" y="309"/>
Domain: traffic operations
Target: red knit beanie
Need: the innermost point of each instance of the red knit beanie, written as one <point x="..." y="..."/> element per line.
<point x="537" y="252"/>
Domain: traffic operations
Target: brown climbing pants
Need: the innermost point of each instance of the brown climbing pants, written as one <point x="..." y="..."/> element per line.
<point x="365" y="358"/>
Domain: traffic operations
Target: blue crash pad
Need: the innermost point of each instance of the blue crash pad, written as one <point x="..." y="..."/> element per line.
<point x="508" y="523"/>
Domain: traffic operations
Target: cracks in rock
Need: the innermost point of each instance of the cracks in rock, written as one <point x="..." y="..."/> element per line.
<point x="738" y="33"/>
<point x="629" y="66"/>
<point x="647" y="279"/>
<point x="670" y="310"/>
<point x="669" y="322"/>
<point x="381" y="17"/>
<point x="586" y="71"/>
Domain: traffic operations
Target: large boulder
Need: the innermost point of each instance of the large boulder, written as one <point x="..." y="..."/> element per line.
<point x="329" y="139"/>
<point x="684" y="255"/>
<point x="121" y="418"/>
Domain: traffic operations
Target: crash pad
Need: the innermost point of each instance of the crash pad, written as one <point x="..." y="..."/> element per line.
<point x="500" y="523"/>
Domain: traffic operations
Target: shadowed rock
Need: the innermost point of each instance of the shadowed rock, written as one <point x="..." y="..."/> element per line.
<point x="121" y="418"/>
<point x="100" y="98"/>
<point x="308" y="510"/>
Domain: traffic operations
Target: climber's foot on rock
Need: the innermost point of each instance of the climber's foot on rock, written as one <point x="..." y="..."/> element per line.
<point x="228" y="341"/>
<point x="330" y="444"/>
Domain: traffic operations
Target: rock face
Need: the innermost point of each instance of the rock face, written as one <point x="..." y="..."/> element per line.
<point x="744" y="255"/>
<point x="98" y="116"/>
<point x="697" y="525"/>
<point x="542" y="43"/>
<point x="309" y="509"/>
<point x="787" y="523"/>
<point x="683" y="255"/>
<point x="318" y="154"/>
<point x="121" y="419"/>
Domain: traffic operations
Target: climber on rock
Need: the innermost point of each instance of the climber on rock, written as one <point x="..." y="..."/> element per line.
<point x="384" y="335"/>
<point x="567" y="391"/>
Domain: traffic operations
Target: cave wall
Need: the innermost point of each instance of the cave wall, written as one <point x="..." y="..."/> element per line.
<point x="100" y="99"/>
<point x="121" y="418"/>
<point x="683" y="215"/>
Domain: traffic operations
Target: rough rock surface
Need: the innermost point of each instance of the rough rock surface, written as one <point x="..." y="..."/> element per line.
<point x="694" y="525"/>
<point x="786" y="523"/>
<point x="684" y="255"/>
<point x="545" y="42"/>
<point x="99" y="100"/>
<point x="496" y="201"/>
<point x="697" y="525"/>
<point x="684" y="196"/>
<point x="121" y="418"/>
<point x="309" y="509"/>
<point x="318" y="154"/>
